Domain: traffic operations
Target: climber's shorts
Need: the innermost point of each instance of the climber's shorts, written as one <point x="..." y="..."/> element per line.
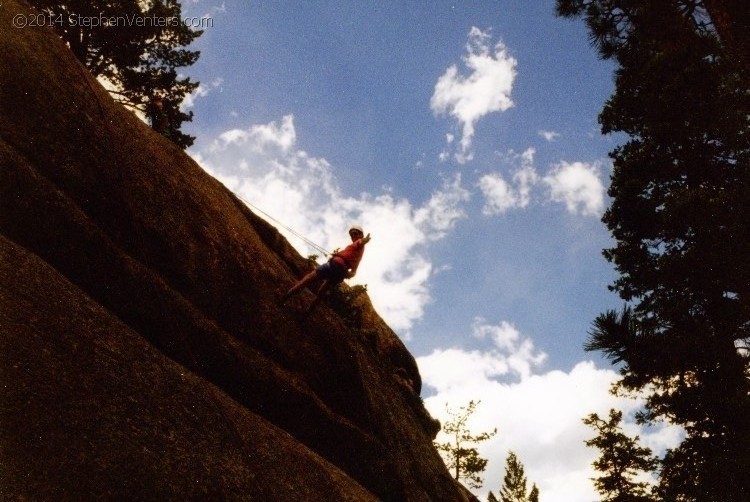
<point x="331" y="271"/>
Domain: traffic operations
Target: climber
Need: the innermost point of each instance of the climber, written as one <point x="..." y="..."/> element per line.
<point x="160" y="114"/>
<point x="342" y="265"/>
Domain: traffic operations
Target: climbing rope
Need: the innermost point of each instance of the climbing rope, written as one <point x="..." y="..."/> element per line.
<point x="304" y="239"/>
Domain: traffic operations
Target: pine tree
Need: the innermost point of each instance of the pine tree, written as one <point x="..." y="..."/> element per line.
<point x="462" y="459"/>
<point x="514" y="481"/>
<point x="680" y="217"/>
<point x="534" y="494"/>
<point x="621" y="461"/>
<point x="491" y="497"/>
<point x="136" y="47"/>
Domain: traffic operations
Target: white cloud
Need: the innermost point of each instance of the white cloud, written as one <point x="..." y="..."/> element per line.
<point x="212" y="10"/>
<point x="521" y="356"/>
<point x="486" y="89"/>
<point x="525" y="178"/>
<point x="549" y="135"/>
<point x="451" y="370"/>
<point x="578" y="185"/>
<point x="445" y="207"/>
<point x="217" y="9"/>
<point x="500" y="195"/>
<point x="538" y="414"/>
<point x="263" y="165"/>
<point x="201" y="92"/>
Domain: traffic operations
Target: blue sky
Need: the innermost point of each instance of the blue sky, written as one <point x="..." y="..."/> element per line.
<point x="464" y="137"/>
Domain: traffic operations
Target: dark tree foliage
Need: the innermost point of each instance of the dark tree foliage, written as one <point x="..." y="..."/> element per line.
<point x="621" y="460"/>
<point x="732" y="21"/>
<point x="460" y="457"/>
<point x="514" y="481"/>
<point x="514" y="484"/>
<point x="534" y="494"/>
<point x="136" y="46"/>
<point x="680" y="216"/>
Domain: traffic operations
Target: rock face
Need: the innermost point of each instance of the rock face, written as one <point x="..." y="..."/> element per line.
<point x="143" y="354"/>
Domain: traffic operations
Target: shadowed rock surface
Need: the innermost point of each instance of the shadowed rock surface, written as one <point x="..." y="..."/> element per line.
<point x="143" y="354"/>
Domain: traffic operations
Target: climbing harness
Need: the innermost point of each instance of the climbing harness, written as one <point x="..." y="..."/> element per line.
<point x="307" y="241"/>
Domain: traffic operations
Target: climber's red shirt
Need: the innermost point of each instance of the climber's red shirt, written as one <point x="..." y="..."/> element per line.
<point x="351" y="255"/>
